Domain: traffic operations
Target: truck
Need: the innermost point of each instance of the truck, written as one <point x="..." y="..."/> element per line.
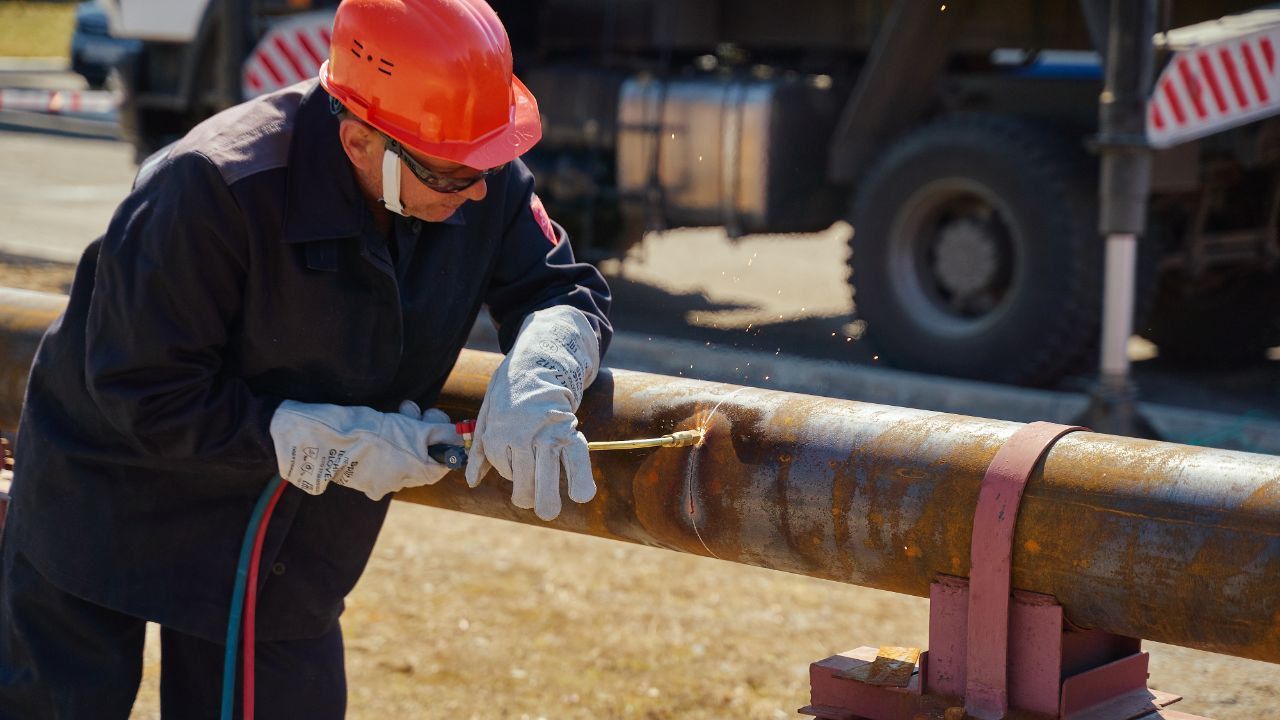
<point x="956" y="138"/>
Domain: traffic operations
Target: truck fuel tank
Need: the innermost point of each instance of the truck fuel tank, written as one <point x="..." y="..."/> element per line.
<point x="748" y="153"/>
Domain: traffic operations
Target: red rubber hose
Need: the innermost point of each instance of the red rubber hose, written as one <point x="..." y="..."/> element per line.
<point x="251" y="604"/>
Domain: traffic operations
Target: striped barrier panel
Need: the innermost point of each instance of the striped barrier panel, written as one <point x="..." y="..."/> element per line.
<point x="290" y="52"/>
<point x="1214" y="87"/>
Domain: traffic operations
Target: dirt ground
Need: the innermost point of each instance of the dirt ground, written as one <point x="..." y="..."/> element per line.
<point x="467" y="617"/>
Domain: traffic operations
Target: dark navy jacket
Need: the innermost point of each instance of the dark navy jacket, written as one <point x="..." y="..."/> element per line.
<point x="244" y="269"/>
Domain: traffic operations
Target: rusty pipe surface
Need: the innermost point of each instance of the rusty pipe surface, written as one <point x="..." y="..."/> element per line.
<point x="24" y="316"/>
<point x="1168" y="542"/>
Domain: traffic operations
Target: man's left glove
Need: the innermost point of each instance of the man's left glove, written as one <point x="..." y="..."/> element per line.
<point x="359" y="447"/>
<point x="526" y="428"/>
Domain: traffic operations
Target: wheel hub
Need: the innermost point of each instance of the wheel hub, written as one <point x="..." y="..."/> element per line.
<point x="966" y="257"/>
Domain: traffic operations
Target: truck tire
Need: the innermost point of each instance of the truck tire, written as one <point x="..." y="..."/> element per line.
<point x="1223" y="321"/>
<point x="975" y="252"/>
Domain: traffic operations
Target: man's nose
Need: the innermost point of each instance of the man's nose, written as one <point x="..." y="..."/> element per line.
<point x="477" y="191"/>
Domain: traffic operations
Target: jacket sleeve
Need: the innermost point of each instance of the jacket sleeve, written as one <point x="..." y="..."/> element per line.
<point x="167" y="295"/>
<point x="536" y="268"/>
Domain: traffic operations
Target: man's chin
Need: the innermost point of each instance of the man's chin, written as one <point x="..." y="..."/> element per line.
<point x="435" y="214"/>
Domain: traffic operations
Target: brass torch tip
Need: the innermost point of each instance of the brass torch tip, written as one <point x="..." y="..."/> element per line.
<point x="685" y="438"/>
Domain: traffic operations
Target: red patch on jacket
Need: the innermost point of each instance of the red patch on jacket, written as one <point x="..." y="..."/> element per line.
<point x="544" y="220"/>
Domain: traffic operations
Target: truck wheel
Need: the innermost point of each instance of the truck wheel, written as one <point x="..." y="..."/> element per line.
<point x="1221" y="321"/>
<point x="975" y="252"/>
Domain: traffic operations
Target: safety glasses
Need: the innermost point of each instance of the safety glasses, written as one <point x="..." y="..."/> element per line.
<point x="435" y="181"/>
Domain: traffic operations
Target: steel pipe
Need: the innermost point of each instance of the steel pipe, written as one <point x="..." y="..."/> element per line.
<point x="24" y="316"/>
<point x="1155" y="540"/>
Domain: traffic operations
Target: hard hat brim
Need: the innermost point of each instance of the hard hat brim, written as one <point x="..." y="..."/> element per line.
<point x="501" y="145"/>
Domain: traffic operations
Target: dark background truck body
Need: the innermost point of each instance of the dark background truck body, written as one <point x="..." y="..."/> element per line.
<point x="954" y="138"/>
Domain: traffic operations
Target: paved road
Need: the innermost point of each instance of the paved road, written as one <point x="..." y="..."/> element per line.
<point x="40" y="73"/>
<point x="788" y="295"/>
<point x="57" y="192"/>
<point x="750" y="311"/>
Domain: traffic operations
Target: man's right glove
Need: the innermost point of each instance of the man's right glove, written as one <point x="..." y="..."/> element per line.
<point x="359" y="447"/>
<point x="526" y="429"/>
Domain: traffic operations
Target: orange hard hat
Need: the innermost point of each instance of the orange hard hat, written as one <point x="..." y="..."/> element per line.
<point x="434" y="75"/>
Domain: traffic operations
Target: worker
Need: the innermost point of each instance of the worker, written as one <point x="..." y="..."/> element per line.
<point x="283" y="291"/>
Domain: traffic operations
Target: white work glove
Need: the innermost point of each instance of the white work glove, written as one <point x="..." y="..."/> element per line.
<point x="526" y="429"/>
<point x="359" y="447"/>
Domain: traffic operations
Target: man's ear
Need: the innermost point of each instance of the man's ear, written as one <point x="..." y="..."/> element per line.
<point x="362" y="144"/>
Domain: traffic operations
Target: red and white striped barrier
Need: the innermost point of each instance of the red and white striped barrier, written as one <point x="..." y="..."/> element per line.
<point x="1220" y="85"/>
<point x="62" y="102"/>
<point x="290" y="52"/>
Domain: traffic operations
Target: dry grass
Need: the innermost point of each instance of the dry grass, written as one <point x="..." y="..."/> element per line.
<point x="36" y="29"/>
<point x="487" y="619"/>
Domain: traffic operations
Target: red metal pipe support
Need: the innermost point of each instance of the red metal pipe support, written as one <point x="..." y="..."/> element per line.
<point x="989" y="658"/>
<point x="1145" y="539"/>
<point x="986" y="694"/>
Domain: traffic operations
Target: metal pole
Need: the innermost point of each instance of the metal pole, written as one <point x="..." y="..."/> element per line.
<point x="1117" y="321"/>
<point x="1124" y="184"/>
<point x="1140" y="538"/>
<point x="233" y="36"/>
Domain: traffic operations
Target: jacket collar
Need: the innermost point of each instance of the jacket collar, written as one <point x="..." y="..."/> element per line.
<point x="323" y="200"/>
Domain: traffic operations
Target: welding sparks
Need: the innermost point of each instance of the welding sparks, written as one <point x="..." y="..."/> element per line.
<point x="695" y="437"/>
<point x="703" y="421"/>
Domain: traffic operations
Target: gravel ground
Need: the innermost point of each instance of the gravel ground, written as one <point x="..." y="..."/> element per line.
<point x="469" y="618"/>
<point x="465" y="617"/>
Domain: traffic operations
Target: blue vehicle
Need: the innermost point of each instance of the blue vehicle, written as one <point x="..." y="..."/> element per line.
<point x="94" y="52"/>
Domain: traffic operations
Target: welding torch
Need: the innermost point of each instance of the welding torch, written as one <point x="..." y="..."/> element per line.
<point x="454" y="457"/>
